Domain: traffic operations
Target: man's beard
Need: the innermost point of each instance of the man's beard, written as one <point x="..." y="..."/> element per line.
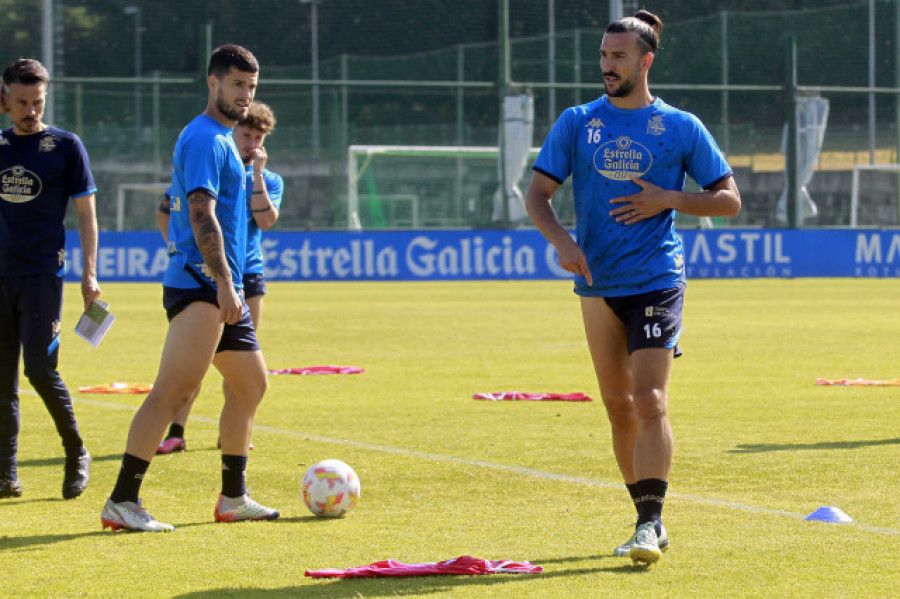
<point x="233" y="112"/>
<point x="30" y="125"/>
<point x="626" y="86"/>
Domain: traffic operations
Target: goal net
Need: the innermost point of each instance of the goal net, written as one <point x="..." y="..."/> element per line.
<point x="875" y="195"/>
<point x="136" y="205"/>
<point x="397" y="187"/>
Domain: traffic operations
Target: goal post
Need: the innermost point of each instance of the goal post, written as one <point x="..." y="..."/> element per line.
<point x="155" y="188"/>
<point x="449" y="164"/>
<point x="854" y="186"/>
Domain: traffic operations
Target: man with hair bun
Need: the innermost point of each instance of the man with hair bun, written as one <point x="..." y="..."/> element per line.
<point x="628" y="153"/>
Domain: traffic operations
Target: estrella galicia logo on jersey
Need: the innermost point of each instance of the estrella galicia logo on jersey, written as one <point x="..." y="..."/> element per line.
<point x="19" y="185"/>
<point x="47" y="144"/>
<point x="655" y="126"/>
<point x="622" y="159"/>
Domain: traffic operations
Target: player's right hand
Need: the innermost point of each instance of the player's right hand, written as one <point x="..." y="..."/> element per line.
<point x="231" y="309"/>
<point x="571" y="257"/>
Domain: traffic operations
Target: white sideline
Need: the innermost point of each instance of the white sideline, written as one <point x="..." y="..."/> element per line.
<point x="709" y="501"/>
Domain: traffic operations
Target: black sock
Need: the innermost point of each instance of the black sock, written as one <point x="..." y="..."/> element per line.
<point x="234" y="469"/>
<point x="633" y="491"/>
<point x="175" y="430"/>
<point x="651" y="495"/>
<point x="131" y="475"/>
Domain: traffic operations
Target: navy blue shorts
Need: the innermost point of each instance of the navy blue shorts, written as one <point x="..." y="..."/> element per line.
<point x="240" y="336"/>
<point x="651" y="319"/>
<point x="254" y="285"/>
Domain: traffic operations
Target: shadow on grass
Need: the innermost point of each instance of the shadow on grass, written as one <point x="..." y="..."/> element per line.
<point x="112" y="457"/>
<point x="14" y="543"/>
<point x="416" y="585"/>
<point x="61" y="460"/>
<point x="763" y="447"/>
<point x="278" y="521"/>
<point x="20" y="500"/>
<point x="57" y="461"/>
<point x="8" y="543"/>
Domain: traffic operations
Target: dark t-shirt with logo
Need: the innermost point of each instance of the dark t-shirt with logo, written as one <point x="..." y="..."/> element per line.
<point x="39" y="173"/>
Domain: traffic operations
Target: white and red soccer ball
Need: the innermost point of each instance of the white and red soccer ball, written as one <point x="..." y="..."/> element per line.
<point x="330" y="488"/>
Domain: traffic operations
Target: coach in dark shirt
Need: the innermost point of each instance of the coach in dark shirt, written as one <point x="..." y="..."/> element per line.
<point x="41" y="169"/>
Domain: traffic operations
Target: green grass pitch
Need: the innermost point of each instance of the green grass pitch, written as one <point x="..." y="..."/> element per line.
<point x="758" y="447"/>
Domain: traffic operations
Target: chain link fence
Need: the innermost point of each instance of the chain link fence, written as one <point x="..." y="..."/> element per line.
<point x="425" y="74"/>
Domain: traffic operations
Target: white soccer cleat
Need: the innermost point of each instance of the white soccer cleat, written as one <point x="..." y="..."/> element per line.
<point x="645" y="544"/>
<point x="236" y="509"/>
<point x="128" y="515"/>
<point x="624" y="549"/>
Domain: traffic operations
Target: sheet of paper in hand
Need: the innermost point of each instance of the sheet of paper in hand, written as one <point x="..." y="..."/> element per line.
<point x="95" y="322"/>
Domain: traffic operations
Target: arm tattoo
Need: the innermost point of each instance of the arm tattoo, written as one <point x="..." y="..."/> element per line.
<point x="208" y="233"/>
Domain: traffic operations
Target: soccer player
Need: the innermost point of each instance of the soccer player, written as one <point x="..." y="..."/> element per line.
<point x="628" y="153"/>
<point x="264" y="191"/>
<point x="41" y="168"/>
<point x="209" y="321"/>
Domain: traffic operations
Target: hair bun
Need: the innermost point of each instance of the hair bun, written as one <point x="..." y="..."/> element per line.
<point x="650" y="19"/>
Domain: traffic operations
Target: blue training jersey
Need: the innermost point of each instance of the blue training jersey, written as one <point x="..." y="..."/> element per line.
<point x="39" y="173"/>
<point x="602" y="147"/>
<point x="207" y="158"/>
<point x="275" y="187"/>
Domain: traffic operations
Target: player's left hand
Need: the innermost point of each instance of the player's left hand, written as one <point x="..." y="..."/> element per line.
<point x="647" y="203"/>
<point x="90" y="290"/>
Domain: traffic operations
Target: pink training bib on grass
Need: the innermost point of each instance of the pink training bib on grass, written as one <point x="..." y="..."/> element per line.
<point x="463" y="565"/>
<point x="859" y="382"/>
<point x="519" y="396"/>
<point x="319" y="370"/>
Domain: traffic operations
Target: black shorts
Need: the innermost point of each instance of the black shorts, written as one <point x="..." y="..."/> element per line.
<point x="254" y="285"/>
<point x="240" y="336"/>
<point x="651" y="319"/>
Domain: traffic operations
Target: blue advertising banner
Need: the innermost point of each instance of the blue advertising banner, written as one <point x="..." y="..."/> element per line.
<point x="514" y="254"/>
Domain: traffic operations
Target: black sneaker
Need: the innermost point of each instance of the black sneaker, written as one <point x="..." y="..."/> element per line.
<point x="78" y="472"/>
<point x="9" y="487"/>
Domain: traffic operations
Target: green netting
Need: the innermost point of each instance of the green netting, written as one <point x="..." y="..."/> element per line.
<point x="704" y="43"/>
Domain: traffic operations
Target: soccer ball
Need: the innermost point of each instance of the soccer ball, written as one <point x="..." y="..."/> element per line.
<point x="330" y="488"/>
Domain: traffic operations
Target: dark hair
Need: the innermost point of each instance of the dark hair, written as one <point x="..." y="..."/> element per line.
<point x="26" y="71"/>
<point x="225" y="57"/>
<point x="646" y="24"/>
<point x="259" y="117"/>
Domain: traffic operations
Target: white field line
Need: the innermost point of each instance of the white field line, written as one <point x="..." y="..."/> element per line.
<point x="579" y="480"/>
